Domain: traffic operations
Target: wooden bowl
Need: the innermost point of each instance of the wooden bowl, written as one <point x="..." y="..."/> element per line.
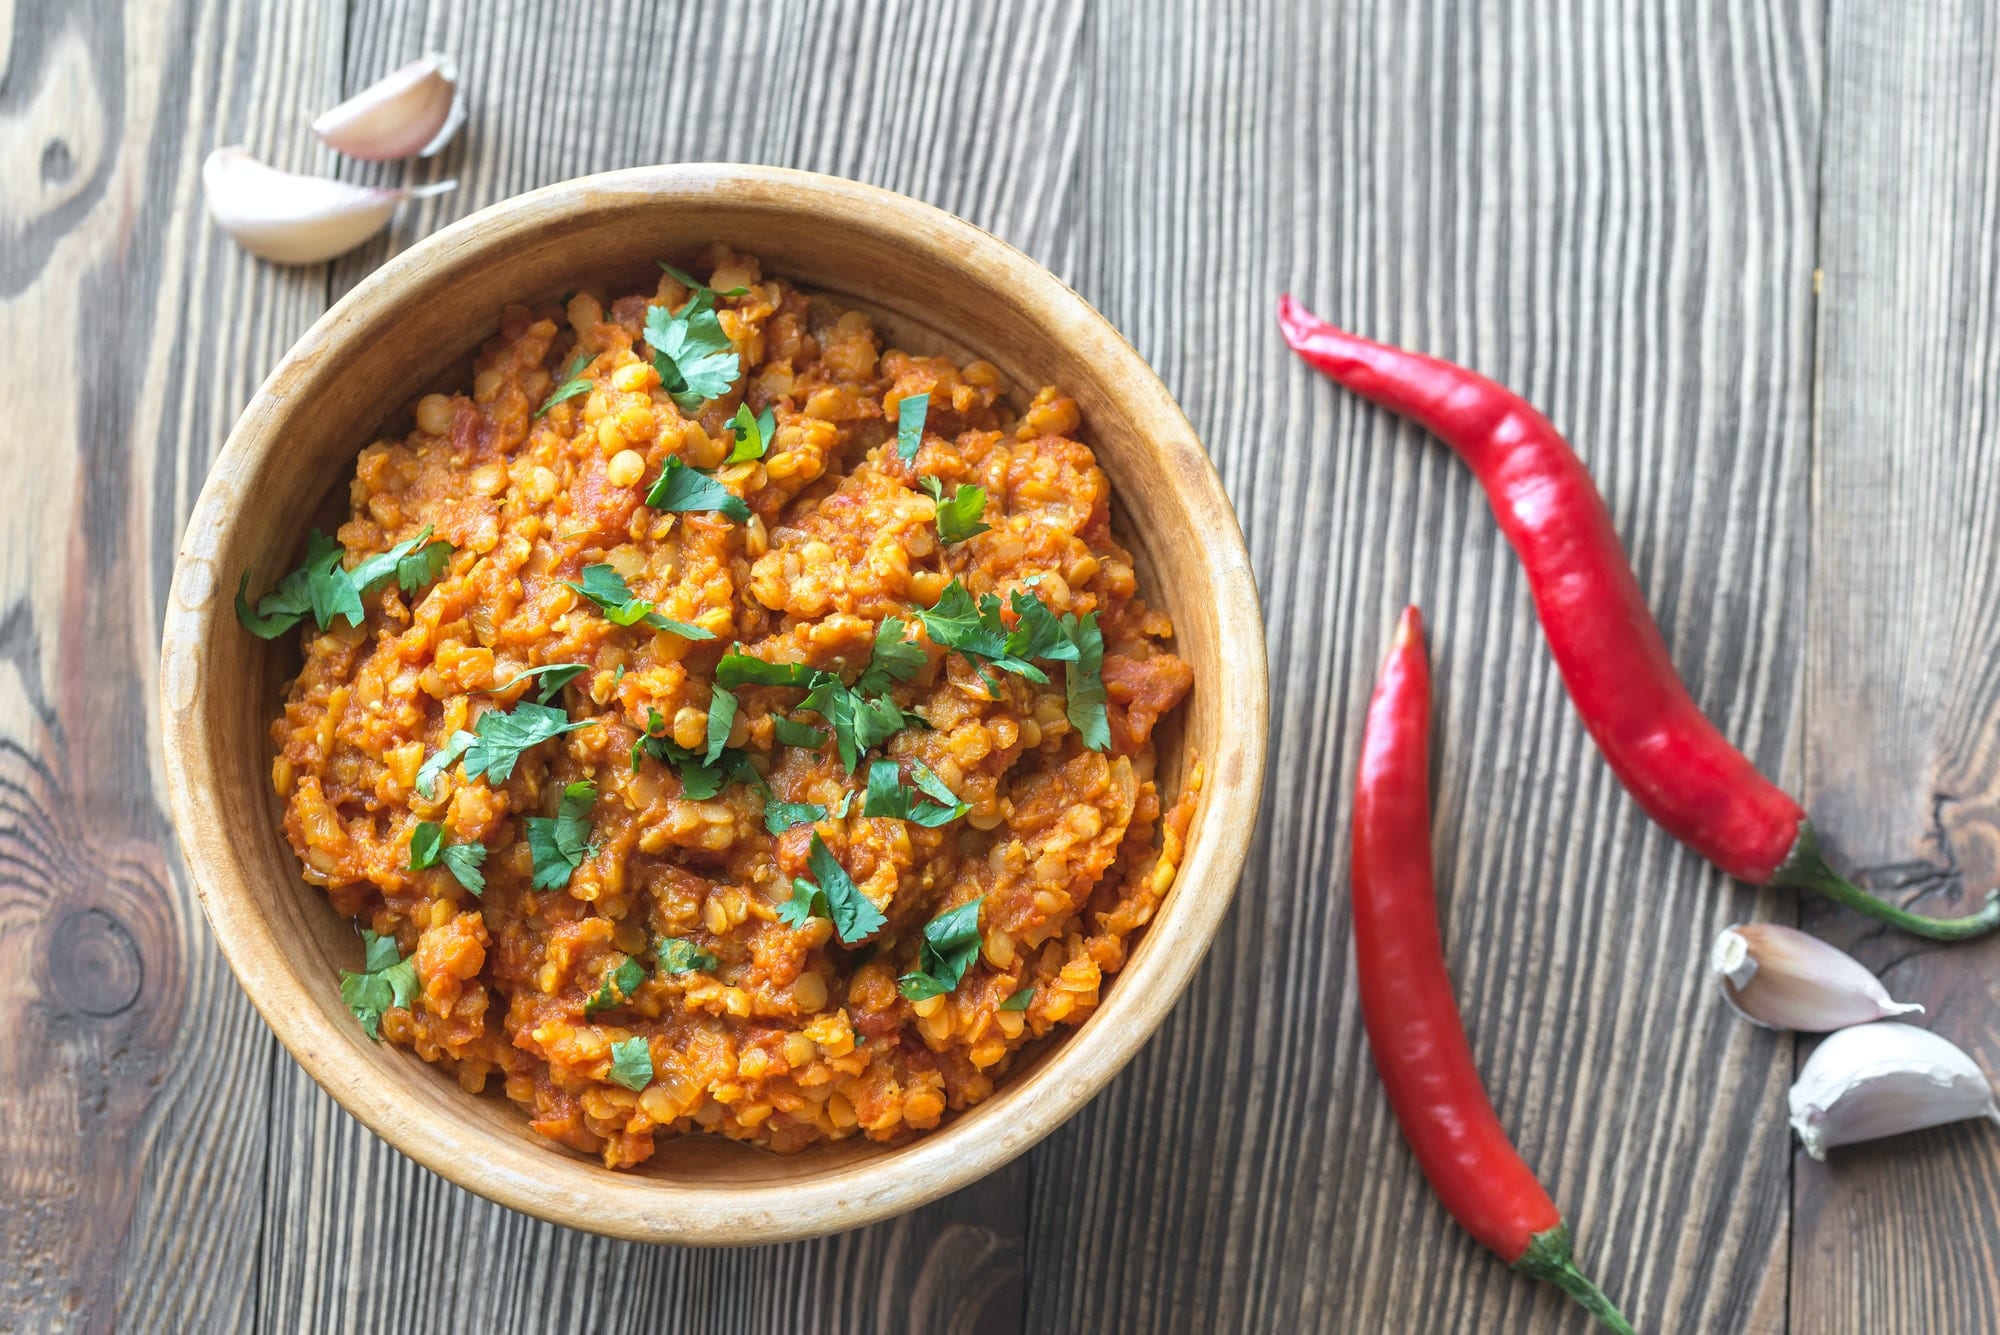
<point x="935" y="284"/>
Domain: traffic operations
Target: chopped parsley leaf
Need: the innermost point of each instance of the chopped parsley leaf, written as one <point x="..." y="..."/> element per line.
<point x="423" y="566"/>
<point x="632" y="1063"/>
<point x="721" y="714"/>
<point x="693" y="284"/>
<point x="1019" y="1001"/>
<point x="425" y="841"/>
<point x="782" y="816"/>
<point x="740" y="669"/>
<point x="326" y="589"/>
<point x="1037" y="633"/>
<point x="887" y="796"/>
<point x="859" y="722"/>
<point x="554" y="677"/>
<point x="463" y="862"/>
<point x="960" y="517"/>
<point x="892" y="659"/>
<point x="501" y="737"/>
<point x="387" y="981"/>
<point x="910" y="414"/>
<point x="679" y="488"/>
<point x="854" y="916"/>
<point x="619" y="985"/>
<point x="691" y="352"/>
<point x="575" y="384"/>
<point x="441" y="761"/>
<point x="560" y="842"/>
<point x="604" y="586"/>
<point x="790" y="732"/>
<point x="975" y="631"/>
<point x="951" y="943"/>
<point x="1084" y="682"/>
<point x="678" y="956"/>
<point x="428" y="849"/>
<point x="700" y="780"/>
<point x="752" y="434"/>
<point x="412" y="564"/>
<point x="807" y="901"/>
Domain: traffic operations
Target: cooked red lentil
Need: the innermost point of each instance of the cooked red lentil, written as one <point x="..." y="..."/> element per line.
<point x="678" y="898"/>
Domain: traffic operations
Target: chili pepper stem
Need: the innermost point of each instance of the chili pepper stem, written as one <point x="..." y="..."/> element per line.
<point x="1549" y="1258"/>
<point x="1807" y="869"/>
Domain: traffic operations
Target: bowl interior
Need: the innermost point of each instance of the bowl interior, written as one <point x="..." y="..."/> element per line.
<point x="934" y="284"/>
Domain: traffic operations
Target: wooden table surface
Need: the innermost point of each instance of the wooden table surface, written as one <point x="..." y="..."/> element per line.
<point x="1744" y="253"/>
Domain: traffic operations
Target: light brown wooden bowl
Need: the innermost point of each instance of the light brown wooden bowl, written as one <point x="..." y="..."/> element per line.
<point x="935" y="284"/>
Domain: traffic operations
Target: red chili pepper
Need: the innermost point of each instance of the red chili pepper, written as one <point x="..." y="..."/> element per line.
<point x="1681" y="769"/>
<point x="1414" y="1029"/>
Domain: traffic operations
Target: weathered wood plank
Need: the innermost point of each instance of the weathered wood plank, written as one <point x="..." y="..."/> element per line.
<point x="132" y="1074"/>
<point x="1902" y="703"/>
<point x="1611" y="208"/>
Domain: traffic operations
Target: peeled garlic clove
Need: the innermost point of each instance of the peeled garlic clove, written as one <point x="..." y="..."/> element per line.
<point x="1884" y="1079"/>
<point x="415" y="110"/>
<point x="296" y="219"/>
<point x="1781" y="978"/>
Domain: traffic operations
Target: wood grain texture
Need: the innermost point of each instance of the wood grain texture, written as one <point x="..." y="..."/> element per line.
<point x="1902" y="699"/>
<point x="1617" y="207"/>
<point x="1562" y="196"/>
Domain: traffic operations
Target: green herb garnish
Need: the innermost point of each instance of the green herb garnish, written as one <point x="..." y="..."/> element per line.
<point x="1084" y="683"/>
<point x="500" y="737"/>
<point x="463" y="862"/>
<point x="442" y="760"/>
<point x="324" y="588"/>
<point x="693" y="284"/>
<point x="831" y="894"/>
<point x="782" y="816"/>
<point x="604" y="586"/>
<point x="554" y="677"/>
<point x="975" y="631"/>
<point x="428" y="849"/>
<point x="574" y="384"/>
<point x="423" y="565"/>
<point x="740" y="669"/>
<point x="678" y="956"/>
<point x="951" y="943"/>
<point x="721" y="714"/>
<point x="1019" y="1001"/>
<point x="386" y="981"/>
<point x="910" y="414"/>
<point x="619" y="985"/>
<point x="790" y="732"/>
<point x="892" y="659"/>
<point x="679" y="488"/>
<point x="859" y="722"/>
<point x="560" y="842"/>
<point x="959" y="517"/>
<point x="632" y="1063"/>
<point x="691" y="352"/>
<point x="929" y="804"/>
<point x="751" y="434"/>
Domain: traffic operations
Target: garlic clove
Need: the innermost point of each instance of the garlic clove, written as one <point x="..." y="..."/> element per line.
<point x="1781" y="978"/>
<point x="416" y="110"/>
<point x="294" y="219"/>
<point x="1883" y="1079"/>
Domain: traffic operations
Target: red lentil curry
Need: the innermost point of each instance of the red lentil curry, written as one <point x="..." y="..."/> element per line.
<point x="717" y="723"/>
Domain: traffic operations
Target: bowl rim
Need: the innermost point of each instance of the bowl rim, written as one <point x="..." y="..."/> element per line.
<point x="580" y="1193"/>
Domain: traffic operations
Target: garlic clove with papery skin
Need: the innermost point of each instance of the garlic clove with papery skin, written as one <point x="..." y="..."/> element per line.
<point x="416" y="110"/>
<point x="1883" y="1079"/>
<point x="294" y="219"/>
<point x="1781" y="978"/>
